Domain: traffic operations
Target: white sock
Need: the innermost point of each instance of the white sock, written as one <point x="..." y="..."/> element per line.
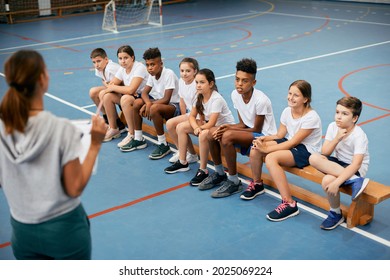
<point x="336" y="210"/>
<point x="138" y="135"/>
<point x="161" y="139"/>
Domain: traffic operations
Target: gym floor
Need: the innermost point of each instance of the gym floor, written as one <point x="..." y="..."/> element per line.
<point x="137" y="211"/>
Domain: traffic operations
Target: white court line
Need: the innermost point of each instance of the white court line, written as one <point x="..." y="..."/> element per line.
<point x="308" y="209"/>
<point x="186" y="23"/>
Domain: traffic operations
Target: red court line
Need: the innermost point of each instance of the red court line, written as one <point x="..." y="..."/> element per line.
<point x="153" y="195"/>
<point x="131" y="203"/>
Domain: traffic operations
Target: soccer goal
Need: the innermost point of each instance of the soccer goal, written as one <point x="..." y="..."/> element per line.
<point x="120" y="14"/>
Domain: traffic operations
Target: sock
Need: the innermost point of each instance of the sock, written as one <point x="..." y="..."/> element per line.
<point x="336" y="210"/>
<point x="161" y="139"/>
<point x="138" y="135"/>
<point x="184" y="162"/>
<point x="219" y="169"/>
<point x="205" y="170"/>
<point x="234" y="178"/>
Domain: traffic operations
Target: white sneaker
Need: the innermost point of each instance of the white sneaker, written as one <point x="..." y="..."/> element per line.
<point x="111" y="133"/>
<point x="125" y="140"/>
<point x="192" y="158"/>
<point x="174" y="158"/>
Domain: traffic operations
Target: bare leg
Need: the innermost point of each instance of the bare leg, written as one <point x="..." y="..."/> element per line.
<point x="127" y="102"/>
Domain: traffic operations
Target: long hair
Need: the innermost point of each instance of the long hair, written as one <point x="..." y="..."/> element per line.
<point x="126" y="49"/>
<point x="22" y="73"/>
<point x="210" y="78"/>
<point x="305" y="88"/>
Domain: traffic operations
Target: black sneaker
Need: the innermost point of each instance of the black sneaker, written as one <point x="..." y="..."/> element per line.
<point x="253" y="190"/>
<point x="121" y="125"/>
<point x="199" y="177"/>
<point x="283" y="211"/>
<point x="177" y="167"/>
<point x="212" y="181"/>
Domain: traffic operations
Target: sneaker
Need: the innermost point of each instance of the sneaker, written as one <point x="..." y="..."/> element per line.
<point x="212" y="181"/>
<point x="228" y="188"/>
<point x="358" y="185"/>
<point x="192" y="158"/>
<point x="174" y="158"/>
<point x="332" y="221"/>
<point x="125" y="140"/>
<point x="177" y="167"/>
<point x="161" y="151"/>
<point x="134" y="145"/>
<point x="283" y="211"/>
<point x="111" y="133"/>
<point x="253" y="190"/>
<point x="199" y="177"/>
<point x="121" y="125"/>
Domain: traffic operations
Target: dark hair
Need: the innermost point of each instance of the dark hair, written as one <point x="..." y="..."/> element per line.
<point x="98" y="52"/>
<point x="305" y="88"/>
<point x="126" y="49"/>
<point x="152" y="53"/>
<point x="211" y="79"/>
<point x="22" y="72"/>
<point x="247" y="65"/>
<point x="352" y="103"/>
<point x="191" y="60"/>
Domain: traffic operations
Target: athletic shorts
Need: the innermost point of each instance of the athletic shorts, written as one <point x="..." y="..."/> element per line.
<point x="300" y="153"/>
<point x="64" y="237"/>
<point x="245" y="151"/>
<point x="342" y="163"/>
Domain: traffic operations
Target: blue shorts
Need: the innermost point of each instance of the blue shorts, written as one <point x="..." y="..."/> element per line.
<point x="342" y="163"/>
<point x="177" y="108"/>
<point x="300" y="153"/>
<point x="245" y="151"/>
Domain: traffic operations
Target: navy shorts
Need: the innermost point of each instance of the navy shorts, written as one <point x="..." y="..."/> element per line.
<point x="342" y="163"/>
<point x="245" y="151"/>
<point x="300" y="153"/>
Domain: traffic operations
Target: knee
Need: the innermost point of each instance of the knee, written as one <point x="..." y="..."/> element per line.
<point x="170" y="125"/>
<point x="326" y="181"/>
<point x="203" y="136"/>
<point x="138" y="103"/>
<point x="314" y="159"/>
<point x="127" y="100"/>
<point x="270" y="160"/>
<point x="226" y="138"/>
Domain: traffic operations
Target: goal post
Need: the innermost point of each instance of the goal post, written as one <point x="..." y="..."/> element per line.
<point x="120" y="14"/>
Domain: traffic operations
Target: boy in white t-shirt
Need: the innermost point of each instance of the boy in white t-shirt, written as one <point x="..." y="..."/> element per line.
<point x="349" y="164"/>
<point x="255" y="117"/>
<point x="105" y="69"/>
<point x="159" y="100"/>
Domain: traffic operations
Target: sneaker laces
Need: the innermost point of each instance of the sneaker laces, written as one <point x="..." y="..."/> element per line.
<point x="282" y="206"/>
<point x="251" y="186"/>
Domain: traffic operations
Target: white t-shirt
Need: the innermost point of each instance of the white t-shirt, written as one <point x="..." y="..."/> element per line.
<point x="217" y="104"/>
<point x="309" y="121"/>
<point x="356" y="143"/>
<point x="138" y="70"/>
<point x="188" y="93"/>
<point x="167" y="80"/>
<point x="258" y="105"/>
<point x="109" y="71"/>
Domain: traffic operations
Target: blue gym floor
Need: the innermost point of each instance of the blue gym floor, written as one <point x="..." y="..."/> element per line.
<point x="140" y="213"/>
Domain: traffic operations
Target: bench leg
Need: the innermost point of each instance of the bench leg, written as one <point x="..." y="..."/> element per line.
<point x="360" y="213"/>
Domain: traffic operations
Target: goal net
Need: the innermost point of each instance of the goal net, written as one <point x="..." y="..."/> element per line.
<point x="119" y="14"/>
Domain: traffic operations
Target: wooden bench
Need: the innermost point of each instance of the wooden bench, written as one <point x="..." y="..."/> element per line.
<point x="359" y="212"/>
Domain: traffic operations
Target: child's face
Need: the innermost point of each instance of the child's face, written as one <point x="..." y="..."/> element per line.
<point x="244" y="82"/>
<point x="344" y="117"/>
<point x="295" y="98"/>
<point x="154" y="66"/>
<point x="125" y="60"/>
<point x="202" y="84"/>
<point x="187" y="72"/>
<point x="99" y="63"/>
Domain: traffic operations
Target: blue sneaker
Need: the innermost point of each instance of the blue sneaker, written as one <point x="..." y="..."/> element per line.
<point x="358" y="185"/>
<point x="332" y="221"/>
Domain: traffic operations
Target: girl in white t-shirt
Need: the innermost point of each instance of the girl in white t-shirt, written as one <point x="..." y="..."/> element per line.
<point x="299" y="135"/>
<point x="209" y="110"/>
<point x="189" y="67"/>
<point x="349" y="145"/>
<point x="127" y="85"/>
